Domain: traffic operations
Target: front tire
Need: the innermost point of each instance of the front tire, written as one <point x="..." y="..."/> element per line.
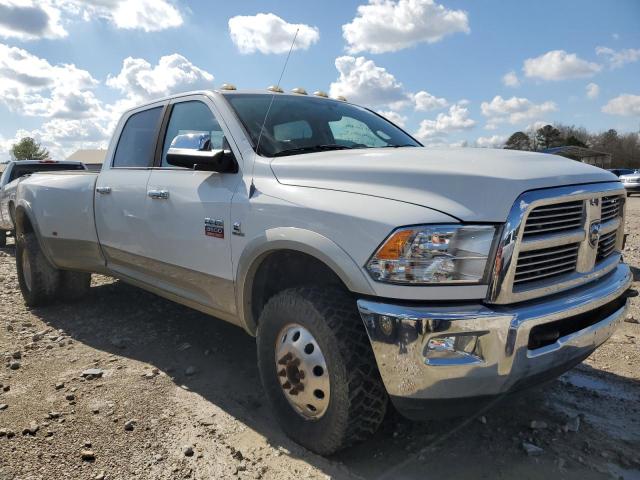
<point x="3" y="238"/>
<point x="39" y="280"/>
<point x="298" y="330"/>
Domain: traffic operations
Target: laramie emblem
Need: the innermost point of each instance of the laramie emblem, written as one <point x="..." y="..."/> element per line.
<point x="594" y="233"/>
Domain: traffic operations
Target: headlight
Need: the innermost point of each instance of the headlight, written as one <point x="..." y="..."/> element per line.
<point x="432" y="254"/>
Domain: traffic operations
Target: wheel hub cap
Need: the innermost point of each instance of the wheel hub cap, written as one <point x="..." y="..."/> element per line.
<point x="302" y="371"/>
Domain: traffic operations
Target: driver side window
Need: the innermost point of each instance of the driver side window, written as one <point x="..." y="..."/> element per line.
<point x="189" y="119"/>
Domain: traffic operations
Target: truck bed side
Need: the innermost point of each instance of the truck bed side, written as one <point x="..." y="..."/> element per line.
<point x="60" y="207"/>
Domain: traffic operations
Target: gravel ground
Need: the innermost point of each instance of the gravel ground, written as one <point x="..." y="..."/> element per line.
<point x="176" y="395"/>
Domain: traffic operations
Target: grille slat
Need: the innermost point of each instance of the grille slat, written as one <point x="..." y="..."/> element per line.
<point x="548" y="262"/>
<point x="558" y="217"/>
<point x="606" y="245"/>
<point x="544" y="275"/>
<point x="611" y="208"/>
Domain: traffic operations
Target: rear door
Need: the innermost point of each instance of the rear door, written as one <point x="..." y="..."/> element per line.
<point x="189" y="214"/>
<point x="121" y="193"/>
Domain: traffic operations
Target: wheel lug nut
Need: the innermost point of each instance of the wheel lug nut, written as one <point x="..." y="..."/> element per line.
<point x="285" y="359"/>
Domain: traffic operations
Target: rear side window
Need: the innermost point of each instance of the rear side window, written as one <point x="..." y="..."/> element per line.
<point x="137" y="143"/>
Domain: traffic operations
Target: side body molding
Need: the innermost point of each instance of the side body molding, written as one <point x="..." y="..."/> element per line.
<point x="297" y="239"/>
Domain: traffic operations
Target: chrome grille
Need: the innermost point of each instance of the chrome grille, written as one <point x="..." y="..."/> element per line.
<point x="606" y="245"/>
<point x="611" y="208"/>
<point x="545" y="263"/>
<point x="557" y="217"/>
<point x="558" y="238"/>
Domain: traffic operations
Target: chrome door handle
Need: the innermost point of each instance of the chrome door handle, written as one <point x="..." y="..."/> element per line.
<point x="158" y="194"/>
<point x="103" y="190"/>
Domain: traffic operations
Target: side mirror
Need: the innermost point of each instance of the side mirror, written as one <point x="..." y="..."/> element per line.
<point x="193" y="150"/>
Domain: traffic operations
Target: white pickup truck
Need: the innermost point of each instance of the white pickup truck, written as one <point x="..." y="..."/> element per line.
<point x="370" y="268"/>
<point x="13" y="173"/>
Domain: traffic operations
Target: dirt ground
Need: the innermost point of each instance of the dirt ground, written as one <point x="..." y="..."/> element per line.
<point x="179" y="397"/>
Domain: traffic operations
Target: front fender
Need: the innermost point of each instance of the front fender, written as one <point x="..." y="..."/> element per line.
<point x="297" y="239"/>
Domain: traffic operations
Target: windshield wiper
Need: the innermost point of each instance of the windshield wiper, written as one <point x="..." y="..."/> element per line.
<point x="312" y="148"/>
<point x="398" y="146"/>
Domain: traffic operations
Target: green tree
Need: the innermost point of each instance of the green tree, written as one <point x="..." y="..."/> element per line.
<point x="28" y="149"/>
<point x="576" y="142"/>
<point x="518" y="141"/>
<point x="548" y="136"/>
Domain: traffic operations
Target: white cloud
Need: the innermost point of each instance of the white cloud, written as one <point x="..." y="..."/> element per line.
<point x="31" y="19"/>
<point x="494" y="141"/>
<point x="625" y="105"/>
<point x="617" y="58"/>
<point x="140" y="81"/>
<point x="387" y="25"/>
<point x="146" y="15"/>
<point x="268" y="33"/>
<point x="424" y="101"/>
<point x="593" y="90"/>
<point x="457" y="119"/>
<point x="64" y="95"/>
<point x="31" y="86"/>
<point x="394" y="117"/>
<point x="511" y="79"/>
<point x="513" y="110"/>
<point x="362" y="81"/>
<point x="28" y="20"/>
<point x="559" y="65"/>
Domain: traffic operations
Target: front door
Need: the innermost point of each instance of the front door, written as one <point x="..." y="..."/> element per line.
<point x="189" y="215"/>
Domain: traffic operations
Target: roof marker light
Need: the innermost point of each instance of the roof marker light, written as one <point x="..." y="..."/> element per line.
<point x="228" y="86"/>
<point x="299" y="91"/>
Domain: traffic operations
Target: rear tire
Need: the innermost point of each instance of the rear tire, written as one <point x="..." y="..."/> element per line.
<point x="357" y="398"/>
<point x="39" y="280"/>
<point x="74" y="285"/>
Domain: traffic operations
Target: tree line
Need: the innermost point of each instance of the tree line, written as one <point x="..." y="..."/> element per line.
<point x="624" y="148"/>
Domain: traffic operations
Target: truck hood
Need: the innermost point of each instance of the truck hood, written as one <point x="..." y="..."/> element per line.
<point x="471" y="184"/>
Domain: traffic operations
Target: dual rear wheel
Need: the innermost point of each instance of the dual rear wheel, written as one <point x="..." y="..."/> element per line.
<point x="40" y="282"/>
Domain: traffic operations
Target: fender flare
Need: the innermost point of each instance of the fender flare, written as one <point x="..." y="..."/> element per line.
<point x="300" y="240"/>
<point x="23" y="207"/>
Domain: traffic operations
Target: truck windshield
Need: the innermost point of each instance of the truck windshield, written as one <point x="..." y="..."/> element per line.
<point x="301" y="124"/>
<point x="22" y="170"/>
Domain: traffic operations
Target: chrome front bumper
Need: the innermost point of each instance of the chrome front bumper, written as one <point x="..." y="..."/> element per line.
<point x="455" y="352"/>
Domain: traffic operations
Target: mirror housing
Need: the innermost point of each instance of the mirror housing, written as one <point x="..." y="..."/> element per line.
<point x="193" y="150"/>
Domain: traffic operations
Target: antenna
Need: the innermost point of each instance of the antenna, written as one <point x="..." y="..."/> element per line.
<point x="252" y="188"/>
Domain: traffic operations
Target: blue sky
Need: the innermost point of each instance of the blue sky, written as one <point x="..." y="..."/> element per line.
<point x="437" y="67"/>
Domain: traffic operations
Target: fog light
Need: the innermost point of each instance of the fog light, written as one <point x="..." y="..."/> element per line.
<point x="453" y="350"/>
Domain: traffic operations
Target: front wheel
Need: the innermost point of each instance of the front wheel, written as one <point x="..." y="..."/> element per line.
<point x="3" y="238"/>
<point x="318" y="369"/>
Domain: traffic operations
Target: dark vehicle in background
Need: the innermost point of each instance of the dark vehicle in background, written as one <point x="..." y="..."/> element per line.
<point x="621" y="171"/>
<point x="13" y="173"/>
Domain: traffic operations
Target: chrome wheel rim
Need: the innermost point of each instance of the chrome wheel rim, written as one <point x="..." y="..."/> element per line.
<point x="302" y="372"/>
<point x="26" y="270"/>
